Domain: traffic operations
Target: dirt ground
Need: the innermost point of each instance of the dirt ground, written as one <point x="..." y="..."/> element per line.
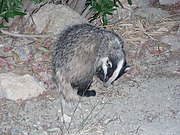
<point x="148" y="104"/>
<point x="145" y="101"/>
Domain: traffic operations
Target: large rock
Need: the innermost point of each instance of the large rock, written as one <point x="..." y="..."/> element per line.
<point x="155" y="14"/>
<point x="16" y="87"/>
<point x="168" y="2"/>
<point x="140" y="3"/>
<point x="54" y="18"/>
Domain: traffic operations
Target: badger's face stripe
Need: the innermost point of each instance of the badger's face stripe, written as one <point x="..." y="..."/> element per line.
<point x="115" y="73"/>
<point x="105" y="68"/>
<point x="105" y="65"/>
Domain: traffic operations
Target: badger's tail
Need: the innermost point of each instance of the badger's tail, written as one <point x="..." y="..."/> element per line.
<point x="67" y="93"/>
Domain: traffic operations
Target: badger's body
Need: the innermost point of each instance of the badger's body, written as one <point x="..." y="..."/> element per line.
<point x="80" y="52"/>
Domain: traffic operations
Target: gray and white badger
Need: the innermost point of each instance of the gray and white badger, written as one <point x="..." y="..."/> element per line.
<point x="81" y="52"/>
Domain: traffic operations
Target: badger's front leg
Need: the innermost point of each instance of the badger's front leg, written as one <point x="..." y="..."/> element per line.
<point x="83" y="88"/>
<point x="84" y="91"/>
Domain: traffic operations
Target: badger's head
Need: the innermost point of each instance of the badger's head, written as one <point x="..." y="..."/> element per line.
<point x="111" y="70"/>
<point x="114" y="63"/>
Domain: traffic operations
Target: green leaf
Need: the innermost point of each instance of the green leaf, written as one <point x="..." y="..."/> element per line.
<point x="11" y="8"/>
<point x="129" y="2"/>
<point x="111" y="9"/>
<point x="93" y="3"/>
<point x="2" y="26"/>
<point x="38" y="1"/>
<point x="18" y="13"/>
<point x="98" y="7"/>
<point x="17" y="3"/>
<point x="3" y="14"/>
<point x="109" y="13"/>
<point x="104" y="19"/>
<point x="102" y="8"/>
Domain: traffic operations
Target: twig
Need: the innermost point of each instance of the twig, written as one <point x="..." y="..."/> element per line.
<point x="25" y="35"/>
<point x="77" y="108"/>
<point x="72" y="116"/>
<point x="84" y="121"/>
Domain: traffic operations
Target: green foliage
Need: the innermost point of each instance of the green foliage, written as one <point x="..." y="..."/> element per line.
<point x="38" y="1"/>
<point x="129" y="2"/>
<point x="102" y="8"/>
<point x="12" y="8"/>
<point x="2" y="26"/>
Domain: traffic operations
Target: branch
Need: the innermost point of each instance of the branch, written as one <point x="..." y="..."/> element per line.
<point x="25" y="35"/>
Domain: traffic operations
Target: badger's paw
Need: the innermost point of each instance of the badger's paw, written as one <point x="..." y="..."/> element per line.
<point x="87" y="93"/>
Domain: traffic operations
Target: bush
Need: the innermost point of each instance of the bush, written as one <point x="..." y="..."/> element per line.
<point x="11" y="8"/>
<point x="102" y="8"/>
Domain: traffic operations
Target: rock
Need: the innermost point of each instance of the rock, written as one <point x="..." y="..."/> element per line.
<point x="55" y="18"/>
<point x="140" y="3"/>
<point x="172" y="40"/>
<point x="168" y="2"/>
<point x="23" y="53"/>
<point x="66" y="118"/>
<point x="16" y="87"/>
<point x="38" y="56"/>
<point x="151" y="13"/>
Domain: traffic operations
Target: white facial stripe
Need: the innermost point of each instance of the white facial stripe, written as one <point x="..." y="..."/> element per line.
<point x="116" y="73"/>
<point x="104" y="65"/>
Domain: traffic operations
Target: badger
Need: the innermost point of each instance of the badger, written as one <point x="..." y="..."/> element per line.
<point x="81" y="52"/>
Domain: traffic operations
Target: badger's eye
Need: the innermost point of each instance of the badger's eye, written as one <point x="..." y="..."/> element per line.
<point x="109" y="64"/>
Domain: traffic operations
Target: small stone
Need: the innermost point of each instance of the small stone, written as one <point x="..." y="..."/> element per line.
<point x="46" y="77"/>
<point x="66" y="118"/>
<point x="107" y="121"/>
<point x="171" y="40"/>
<point x="22" y="52"/>
<point x="54" y="129"/>
<point x="38" y="56"/>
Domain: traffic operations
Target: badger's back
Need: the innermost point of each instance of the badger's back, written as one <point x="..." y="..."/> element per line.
<point x="76" y="50"/>
<point x="74" y="58"/>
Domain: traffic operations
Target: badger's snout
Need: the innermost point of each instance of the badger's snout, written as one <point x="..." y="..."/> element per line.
<point x="113" y="73"/>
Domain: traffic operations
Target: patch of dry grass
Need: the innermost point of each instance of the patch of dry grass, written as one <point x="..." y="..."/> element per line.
<point x="141" y="29"/>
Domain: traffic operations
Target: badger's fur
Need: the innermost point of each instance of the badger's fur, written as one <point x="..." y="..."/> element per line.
<point x="80" y="52"/>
